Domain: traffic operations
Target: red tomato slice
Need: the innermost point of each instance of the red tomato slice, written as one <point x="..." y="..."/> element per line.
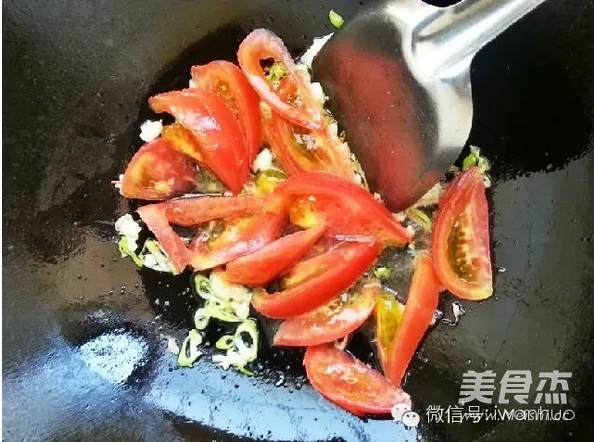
<point x="348" y="208"/>
<point x="349" y="383"/>
<point x="243" y="237"/>
<point x="348" y="262"/>
<point x="230" y="83"/>
<point x="329" y="322"/>
<point x="261" y="267"/>
<point x="416" y="318"/>
<point x="301" y="108"/>
<point x="299" y="150"/>
<point x="193" y="211"/>
<point x="158" y="172"/>
<point x="215" y="128"/>
<point x="154" y="217"/>
<point x="460" y="241"/>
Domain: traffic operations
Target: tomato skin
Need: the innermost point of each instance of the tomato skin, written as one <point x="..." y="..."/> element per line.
<point x="262" y="44"/>
<point x="329" y="154"/>
<point x="158" y="172"/>
<point x="215" y="128"/>
<point x="262" y="266"/>
<point x="154" y="217"/>
<point x="193" y="211"/>
<point x="464" y="209"/>
<point x="416" y="318"/>
<point x="230" y="83"/>
<point x="349" y="261"/>
<point x="337" y="197"/>
<point x="254" y="234"/>
<point x="349" y="383"/>
<point x="331" y="321"/>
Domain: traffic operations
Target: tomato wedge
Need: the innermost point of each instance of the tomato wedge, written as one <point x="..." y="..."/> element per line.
<point x="193" y="211"/>
<point x="301" y="108"/>
<point x="242" y="237"/>
<point x="416" y="318"/>
<point x="299" y="150"/>
<point x="158" y="172"/>
<point x="346" y="263"/>
<point x="460" y="241"/>
<point x="349" y="383"/>
<point x="261" y="267"/>
<point x="388" y="316"/>
<point x="347" y="208"/>
<point x="230" y="83"/>
<point x="215" y="129"/>
<point x="329" y="322"/>
<point x="154" y="217"/>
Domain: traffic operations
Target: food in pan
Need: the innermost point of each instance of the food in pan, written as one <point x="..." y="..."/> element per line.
<point x="283" y="226"/>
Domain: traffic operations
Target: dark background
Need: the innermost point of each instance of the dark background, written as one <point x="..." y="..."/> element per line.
<point x="76" y="76"/>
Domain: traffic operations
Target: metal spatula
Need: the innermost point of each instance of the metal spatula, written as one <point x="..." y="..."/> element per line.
<point x="398" y="80"/>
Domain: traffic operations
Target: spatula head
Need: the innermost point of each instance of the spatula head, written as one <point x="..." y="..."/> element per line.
<point x="406" y="124"/>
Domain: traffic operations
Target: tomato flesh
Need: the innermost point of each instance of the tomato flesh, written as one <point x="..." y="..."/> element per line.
<point x="158" y="172"/>
<point x="388" y="316"/>
<point x="154" y="217"/>
<point x="262" y="266"/>
<point x="243" y="237"/>
<point x="193" y="211"/>
<point x="460" y="242"/>
<point x="336" y="197"/>
<point x="416" y="318"/>
<point x="230" y="83"/>
<point x="299" y="150"/>
<point x="331" y="321"/>
<point x="215" y="129"/>
<point x="348" y="262"/>
<point x="302" y="109"/>
<point x="349" y="383"/>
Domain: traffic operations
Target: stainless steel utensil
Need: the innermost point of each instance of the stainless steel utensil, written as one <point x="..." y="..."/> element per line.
<point x="398" y="79"/>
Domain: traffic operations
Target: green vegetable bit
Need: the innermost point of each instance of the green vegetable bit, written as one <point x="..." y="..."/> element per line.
<point x="475" y="159"/>
<point x="225" y="342"/>
<point x="126" y="251"/>
<point x="277" y="71"/>
<point x="382" y="272"/>
<point x="189" y="350"/>
<point x="419" y="217"/>
<point x="335" y="19"/>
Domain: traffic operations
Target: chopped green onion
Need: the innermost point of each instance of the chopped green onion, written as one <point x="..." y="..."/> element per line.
<point x="201" y="319"/>
<point x="244" y="371"/>
<point x="474" y="158"/>
<point x="189" y="350"/>
<point x="335" y="19"/>
<point x="419" y="217"/>
<point x="161" y="260"/>
<point x="243" y="351"/>
<point x="382" y="272"/>
<point x="225" y="342"/>
<point x="203" y="286"/>
<point x="248" y="350"/>
<point x="126" y="251"/>
<point x="277" y="71"/>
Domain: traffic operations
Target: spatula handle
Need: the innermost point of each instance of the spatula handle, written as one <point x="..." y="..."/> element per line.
<point x="450" y="39"/>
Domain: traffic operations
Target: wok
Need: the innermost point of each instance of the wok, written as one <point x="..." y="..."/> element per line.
<point x="76" y="76"/>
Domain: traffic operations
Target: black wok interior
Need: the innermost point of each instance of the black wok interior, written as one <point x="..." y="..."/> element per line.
<point x="76" y="76"/>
